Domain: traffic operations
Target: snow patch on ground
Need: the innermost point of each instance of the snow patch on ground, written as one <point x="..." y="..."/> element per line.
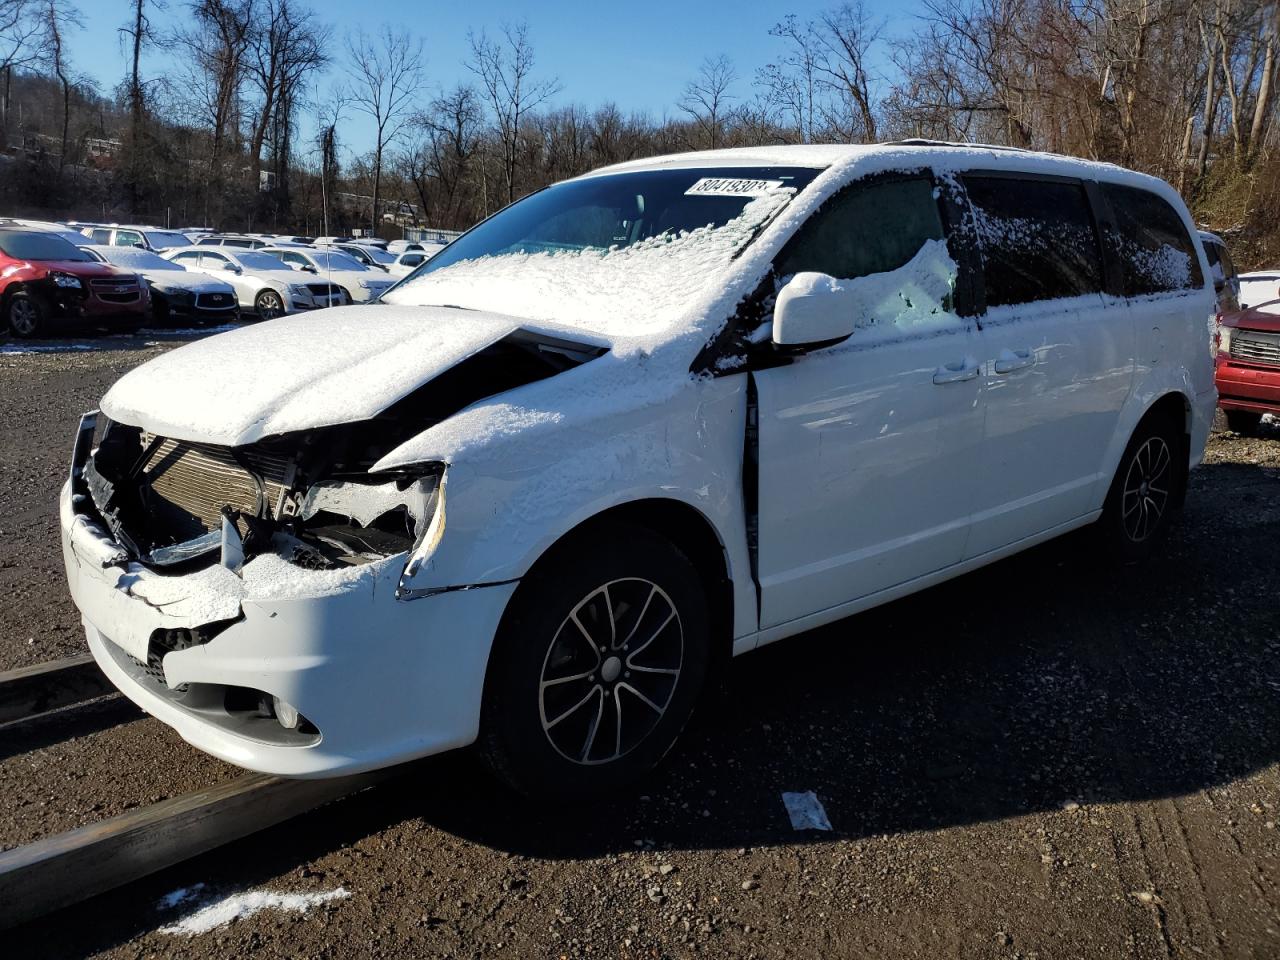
<point x="806" y="811"/>
<point x="180" y="896"/>
<point x="13" y="348"/>
<point x="241" y="906"/>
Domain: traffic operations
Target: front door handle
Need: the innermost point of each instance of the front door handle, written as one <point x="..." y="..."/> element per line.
<point x="1011" y="360"/>
<point x="957" y="371"/>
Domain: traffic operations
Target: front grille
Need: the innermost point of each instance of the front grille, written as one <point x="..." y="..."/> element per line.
<point x="215" y="301"/>
<point x="200" y="479"/>
<point x="323" y="289"/>
<point x="1255" y="346"/>
<point x="119" y="297"/>
<point x="102" y="285"/>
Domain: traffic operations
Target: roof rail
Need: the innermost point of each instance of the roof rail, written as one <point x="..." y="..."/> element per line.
<point x="924" y="142"/>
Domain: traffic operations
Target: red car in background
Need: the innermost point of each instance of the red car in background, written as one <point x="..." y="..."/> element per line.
<point x="47" y="281"/>
<point x="1247" y="367"/>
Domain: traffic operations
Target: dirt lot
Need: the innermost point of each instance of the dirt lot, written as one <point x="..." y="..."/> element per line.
<point x="1049" y="758"/>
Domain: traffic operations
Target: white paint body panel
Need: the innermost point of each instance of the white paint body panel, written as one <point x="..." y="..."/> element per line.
<point x="868" y="471"/>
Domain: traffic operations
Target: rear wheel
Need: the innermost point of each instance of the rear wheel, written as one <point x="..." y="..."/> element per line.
<point x="1146" y="492"/>
<point x="597" y="665"/>
<point x="26" y="314"/>
<point x="268" y="305"/>
<point x="1243" y="421"/>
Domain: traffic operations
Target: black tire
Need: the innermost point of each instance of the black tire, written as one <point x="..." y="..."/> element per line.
<point x="26" y="314"/>
<point x="268" y="305"/>
<point x="622" y="581"/>
<point x="1243" y="421"/>
<point x="1147" y="490"/>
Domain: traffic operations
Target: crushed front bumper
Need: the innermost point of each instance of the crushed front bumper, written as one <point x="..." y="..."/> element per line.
<point x="380" y="680"/>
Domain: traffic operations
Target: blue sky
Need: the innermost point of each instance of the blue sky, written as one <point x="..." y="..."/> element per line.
<point x="638" y="54"/>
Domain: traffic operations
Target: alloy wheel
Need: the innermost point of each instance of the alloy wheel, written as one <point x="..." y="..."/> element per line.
<point x="610" y="671"/>
<point x="1146" y="489"/>
<point x="270" y="306"/>
<point x="23" y="317"/>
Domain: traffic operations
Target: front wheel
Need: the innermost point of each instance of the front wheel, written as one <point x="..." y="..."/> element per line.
<point x="1146" y="491"/>
<point x="268" y="305"/>
<point x="597" y="665"/>
<point x="26" y="314"/>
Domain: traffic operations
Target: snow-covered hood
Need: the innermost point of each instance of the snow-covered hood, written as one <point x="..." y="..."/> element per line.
<point x="187" y="280"/>
<point x="299" y="372"/>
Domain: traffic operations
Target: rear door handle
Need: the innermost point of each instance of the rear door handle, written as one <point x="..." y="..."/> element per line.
<point x="1011" y="360"/>
<point x="957" y="371"/>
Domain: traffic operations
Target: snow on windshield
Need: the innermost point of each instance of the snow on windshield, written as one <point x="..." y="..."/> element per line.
<point x="137" y="258"/>
<point x="254" y="260"/>
<point x="624" y="255"/>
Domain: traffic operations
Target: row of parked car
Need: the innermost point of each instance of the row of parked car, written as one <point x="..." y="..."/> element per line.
<point x="122" y="278"/>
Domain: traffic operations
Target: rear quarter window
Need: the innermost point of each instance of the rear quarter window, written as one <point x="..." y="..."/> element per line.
<point x="1156" y="253"/>
<point x="1037" y="237"/>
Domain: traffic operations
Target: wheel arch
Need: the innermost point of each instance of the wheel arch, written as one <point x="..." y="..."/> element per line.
<point x="690" y="531"/>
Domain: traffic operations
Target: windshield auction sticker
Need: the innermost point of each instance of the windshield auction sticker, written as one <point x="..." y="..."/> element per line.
<point x="731" y="187"/>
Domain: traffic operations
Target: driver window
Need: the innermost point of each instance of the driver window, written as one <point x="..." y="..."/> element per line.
<point x="871" y="227"/>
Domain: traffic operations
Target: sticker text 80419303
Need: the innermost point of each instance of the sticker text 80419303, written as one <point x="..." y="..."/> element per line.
<point x="731" y="187"/>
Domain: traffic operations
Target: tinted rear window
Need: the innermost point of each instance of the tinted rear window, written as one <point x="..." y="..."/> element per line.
<point x="40" y="246"/>
<point x="1156" y="252"/>
<point x="1038" y="239"/>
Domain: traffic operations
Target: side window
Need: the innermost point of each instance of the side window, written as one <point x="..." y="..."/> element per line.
<point x="101" y="236"/>
<point x="871" y="227"/>
<point x="293" y="259"/>
<point x="128" y="238"/>
<point x="212" y="259"/>
<point x="1038" y="239"/>
<point x="1155" y="251"/>
<point x="187" y="259"/>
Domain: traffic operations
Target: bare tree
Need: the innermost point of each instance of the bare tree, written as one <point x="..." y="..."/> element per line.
<point x="216" y="43"/>
<point x="388" y="76"/>
<point x="286" y="48"/>
<point x="56" y="18"/>
<point x="505" y="70"/>
<point x="706" y="98"/>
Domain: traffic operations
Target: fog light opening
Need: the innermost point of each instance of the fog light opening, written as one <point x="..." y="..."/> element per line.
<point x="286" y="713"/>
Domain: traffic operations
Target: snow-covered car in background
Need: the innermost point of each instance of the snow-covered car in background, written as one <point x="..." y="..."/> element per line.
<point x="369" y="256"/>
<point x="1260" y="290"/>
<point x="402" y="246"/>
<point x="178" y="296"/>
<point x="1222" y="269"/>
<point x="148" y="238"/>
<point x="240" y="240"/>
<point x="264" y="286"/>
<point x="627" y="427"/>
<point x="359" y="282"/>
<point x="405" y="263"/>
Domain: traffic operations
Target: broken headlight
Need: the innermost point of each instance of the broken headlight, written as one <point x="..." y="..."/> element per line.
<point x="351" y="521"/>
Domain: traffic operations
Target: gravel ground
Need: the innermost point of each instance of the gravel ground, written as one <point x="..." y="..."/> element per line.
<point x="1047" y="758"/>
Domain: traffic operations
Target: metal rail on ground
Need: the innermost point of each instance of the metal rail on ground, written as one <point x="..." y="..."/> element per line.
<point x="67" y="868"/>
<point x="29" y="691"/>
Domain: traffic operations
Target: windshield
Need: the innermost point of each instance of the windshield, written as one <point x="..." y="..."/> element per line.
<point x="161" y="239"/>
<point x="253" y="260"/>
<point x="622" y="252"/>
<point x="40" y="246"/>
<point x="336" y="261"/>
<point x="379" y="256"/>
<point x="136" y="258"/>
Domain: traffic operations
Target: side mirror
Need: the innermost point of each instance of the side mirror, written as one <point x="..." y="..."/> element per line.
<point x="232" y="268"/>
<point x="308" y="268"/>
<point x="814" y="310"/>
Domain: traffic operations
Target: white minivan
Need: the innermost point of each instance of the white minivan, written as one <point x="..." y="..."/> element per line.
<point x="631" y="425"/>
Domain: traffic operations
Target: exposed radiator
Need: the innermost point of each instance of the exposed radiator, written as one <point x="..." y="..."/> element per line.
<point x="200" y="479"/>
